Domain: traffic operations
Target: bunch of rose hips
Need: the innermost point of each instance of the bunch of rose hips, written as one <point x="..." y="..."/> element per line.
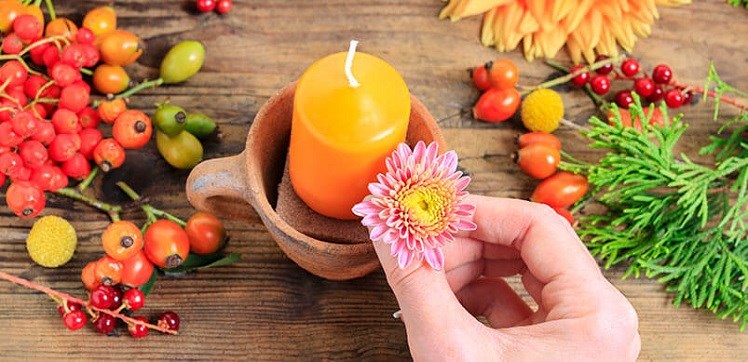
<point x="221" y="6"/>
<point x="650" y="88"/>
<point x="48" y="129"/>
<point x="500" y="99"/>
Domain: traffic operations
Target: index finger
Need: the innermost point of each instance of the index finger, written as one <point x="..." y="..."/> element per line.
<point x="546" y="242"/>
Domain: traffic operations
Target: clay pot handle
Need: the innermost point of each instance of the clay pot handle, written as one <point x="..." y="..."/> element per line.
<point x="218" y="186"/>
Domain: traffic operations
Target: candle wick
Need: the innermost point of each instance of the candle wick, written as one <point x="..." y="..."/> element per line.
<point x="349" y="63"/>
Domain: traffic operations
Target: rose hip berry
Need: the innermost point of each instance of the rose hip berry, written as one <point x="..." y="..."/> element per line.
<point x="25" y="199"/>
<point x="109" y="154"/>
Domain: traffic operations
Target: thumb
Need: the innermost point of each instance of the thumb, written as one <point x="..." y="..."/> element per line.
<point x="427" y="303"/>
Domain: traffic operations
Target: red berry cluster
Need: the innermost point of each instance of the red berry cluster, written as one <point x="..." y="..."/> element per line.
<point x="221" y="6"/>
<point x="114" y="299"/>
<point x="654" y="88"/>
<point x="48" y="128"/>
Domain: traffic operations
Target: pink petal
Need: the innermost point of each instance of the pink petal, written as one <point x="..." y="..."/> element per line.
<point x="377" y="232"/>
<point x="404" y="258"/>
<point x="365" y="208"/>
<point x="466" y="225"/>
<point x="390" y="237"/>
<point x="378" y="190"/>
<point x="462" y="183"/>
<point x="396" y="247"/>
<point x="435" y="258"/>
<point x="371" y="220"/>
<point x="449" y="161"/>
<point x="432" y="152"/>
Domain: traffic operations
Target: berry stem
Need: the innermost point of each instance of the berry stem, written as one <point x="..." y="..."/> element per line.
<point x="51" y="9"/>
<point x="570" y="76"/>
<point x="151" y="212"/>
<point x="111" y="210"/>
<point x="85" y="183"/>
<point x="67" y="297"/>
<point x="147" y="84"/>
<point x="20" y="60"/>
<point x="44" y="41"/>
<point x="712" y="94"/>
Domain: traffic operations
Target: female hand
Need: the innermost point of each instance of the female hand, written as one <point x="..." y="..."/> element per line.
<point x="580" y="315"/>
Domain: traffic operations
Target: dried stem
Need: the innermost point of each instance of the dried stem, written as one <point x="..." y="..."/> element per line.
<point x="64" y="296"/>
<point x="111" y="210"/>
<point x="712" y="94"/>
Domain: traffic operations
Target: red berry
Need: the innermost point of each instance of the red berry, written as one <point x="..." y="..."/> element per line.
<point x="104" y="323"/>
<point x="51" y="56"/>
<point x="22" y="174"/>
<point x="134" y="298"/>
<point x="224" y="6"/>
<point x="37" y="53"/>
<point x="74" y="56"/>
<point x="71" y="306"/>
<point x="662" y="74"/>
<point x="497" y="105"/>
<point x="65" y="121"/>
<point x="74" y="97"/>
<point x="64" y="74"/>
<point x="10" y="162"/>
<point x="75" y="320"/>
<point x="8" y="138"/>
<point x="49" y="178"/>
<point x="168" y="320"/>
<point x="90" y="138"/>
<point x="102" y="297"/>
<point x="24" y="124"/>
<point x="673" y="98"/>
<point x="45" y="132"/>
<point x="25" y="199"/>
<point x="205" y="6"/>
<point x="600" y="84"/>
<point x="644" y="87"/>
<point x="624" y="99"/>
<point x="138" y="330"/>
<point x="27" y="27"/>
<point x="77" y="167"/>
<point x="580" y="79"/>
<point x="33" y="153"/>
<point x="109" y="154"/>
<point x="687" y="97"/>
<point x="605" y="69"/>
<point x="89" y="118"/>
<point x="630" y="67"/>
<point x="657" y="94"/>
<point x="32" y="85"/>
<point x="12" y="44"/>
<point x="91" y="55"/>
<point x="63" y="147"/>
<point x="85" y="36"/>
<point x="14" y="73"/>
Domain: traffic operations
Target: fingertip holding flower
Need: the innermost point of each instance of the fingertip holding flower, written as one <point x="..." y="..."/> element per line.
<point x="418" y="204"/>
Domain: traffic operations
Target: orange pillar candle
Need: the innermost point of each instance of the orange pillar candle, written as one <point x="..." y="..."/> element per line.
<point x="350" y="112"/>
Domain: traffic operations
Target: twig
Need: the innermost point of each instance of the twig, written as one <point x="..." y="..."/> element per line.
<point x="64" y="296"/>
<point x="111" y="210"/>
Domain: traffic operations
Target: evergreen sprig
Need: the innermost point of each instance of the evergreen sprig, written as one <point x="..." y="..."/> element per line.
<point x="667" y="216"/>
<point x="743" y="3"/>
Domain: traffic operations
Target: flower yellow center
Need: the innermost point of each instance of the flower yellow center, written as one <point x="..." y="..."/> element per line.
<point x="425" y="205"/>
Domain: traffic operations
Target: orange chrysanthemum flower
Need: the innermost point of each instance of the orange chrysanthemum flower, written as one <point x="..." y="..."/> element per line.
<point x="586" y="27"/>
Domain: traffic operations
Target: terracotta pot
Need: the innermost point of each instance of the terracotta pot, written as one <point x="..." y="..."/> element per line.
<point x="228" y="186"/>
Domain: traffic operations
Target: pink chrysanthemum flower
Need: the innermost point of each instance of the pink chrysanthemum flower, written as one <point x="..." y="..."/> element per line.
<point x="418" y="205"/>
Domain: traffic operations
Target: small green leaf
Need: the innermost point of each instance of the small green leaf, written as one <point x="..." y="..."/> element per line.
<point x="148" y="286"/>
<point x="194" y="262"/>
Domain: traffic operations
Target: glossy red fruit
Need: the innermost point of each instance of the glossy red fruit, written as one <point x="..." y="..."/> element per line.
<point x="166" y="244"/>
<point x="65" y="121"/>
<point x="537" y="160"/>
<point x="580" y="79"/>
<point x="64" y="146"/>
<point x="168" y="320"/>
<point x="14" y="73"/>
<point x="48" y="178"/>
<point x="624" y="99"/>
<point x="77" y="167"/>
<point x="104" y="323"/>
<point x="657" y="94"/>
<point x="205" y="6"/>
<point x="224" y="6"/>
<point x="502" y="73"/>
<point x="90" y="138"/>
<point x="12" y="44"/>
<point x="605" y="69"/>
<point x="74" y="97"/>
<point x="600" y="84"/>
<point x="205" y="232"/>
<point x="560" y="190"/>
<point x="644" y="86"/>
<point x="479" y="75"/>
<point x="137" y="270"/>
<point x="102" y="297"/>
<point x="630" y="67"/>
<point x="673" y="98"/>
<point x="67" y="307"/>
<point x="138" y="330"/>
<point x="24" y="124"/>
<point x="33" y="153"/>
<point x="75" y="320"/>
<point x="134" y="299"/>
<point x="89" y="118"/>
<point x="497" y="105"/>
<point x="662" y="74"/>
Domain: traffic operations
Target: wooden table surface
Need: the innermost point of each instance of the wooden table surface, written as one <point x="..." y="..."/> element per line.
<point x="266" y="307"/>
